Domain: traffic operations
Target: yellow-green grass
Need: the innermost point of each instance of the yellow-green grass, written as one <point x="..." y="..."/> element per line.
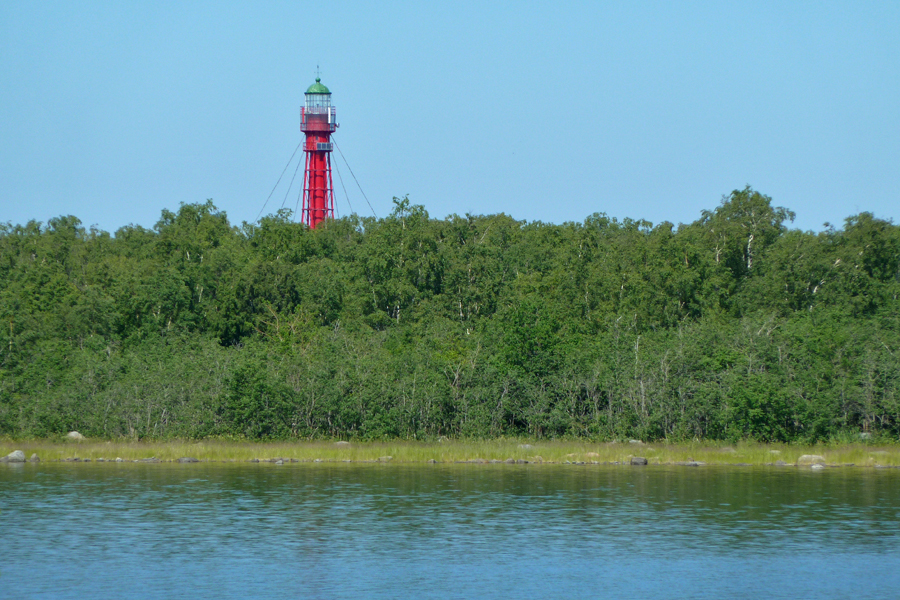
<point x="546" y="452"/>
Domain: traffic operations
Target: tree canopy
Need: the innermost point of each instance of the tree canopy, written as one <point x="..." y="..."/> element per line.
<point x="733" y="326"/>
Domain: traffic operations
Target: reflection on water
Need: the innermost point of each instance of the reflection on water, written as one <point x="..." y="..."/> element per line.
<point x="446" y="531"/>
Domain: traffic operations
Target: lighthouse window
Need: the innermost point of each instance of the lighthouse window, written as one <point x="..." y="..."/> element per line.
<point x="318" y="100"/>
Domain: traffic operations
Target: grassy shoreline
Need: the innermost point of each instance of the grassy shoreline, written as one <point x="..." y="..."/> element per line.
<point x="407" y="452"/>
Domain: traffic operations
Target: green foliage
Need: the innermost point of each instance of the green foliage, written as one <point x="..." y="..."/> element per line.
<point x="731" y="327"/>
<point x="255" y="406"/>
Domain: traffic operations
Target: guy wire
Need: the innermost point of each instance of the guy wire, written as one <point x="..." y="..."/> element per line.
<point x="279" y="181"/>
<point x="354" y="178"/>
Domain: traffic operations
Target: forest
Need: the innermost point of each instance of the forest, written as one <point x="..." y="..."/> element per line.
<point x="733" y="327"/>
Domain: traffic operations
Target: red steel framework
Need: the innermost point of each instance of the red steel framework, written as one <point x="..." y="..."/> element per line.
<point x="317" y="121"/>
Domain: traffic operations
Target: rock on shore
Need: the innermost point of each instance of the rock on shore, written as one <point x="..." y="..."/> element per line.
<point x="16" y="456"/>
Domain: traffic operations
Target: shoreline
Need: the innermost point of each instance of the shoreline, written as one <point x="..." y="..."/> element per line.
<point x="691" y="454"/>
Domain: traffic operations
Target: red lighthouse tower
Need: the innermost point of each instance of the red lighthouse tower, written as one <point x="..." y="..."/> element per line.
<point x="317" y="121"/>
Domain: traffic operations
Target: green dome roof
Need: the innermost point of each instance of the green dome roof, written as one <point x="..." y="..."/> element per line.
<point x="318" y="88"/>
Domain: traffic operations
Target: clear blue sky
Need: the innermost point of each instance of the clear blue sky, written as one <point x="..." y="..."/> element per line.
<point x="546" y="111"/>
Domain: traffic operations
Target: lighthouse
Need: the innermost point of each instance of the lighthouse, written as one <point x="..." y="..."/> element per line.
<point x="317" y="121"/>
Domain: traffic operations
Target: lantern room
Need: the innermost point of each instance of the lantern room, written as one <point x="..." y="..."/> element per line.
<point x="318" y="114"/>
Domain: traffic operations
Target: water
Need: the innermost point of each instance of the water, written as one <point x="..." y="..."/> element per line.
<point x="446" y="531"/>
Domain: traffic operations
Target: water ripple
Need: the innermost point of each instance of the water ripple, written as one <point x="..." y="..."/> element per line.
<point x="341" y="531"/>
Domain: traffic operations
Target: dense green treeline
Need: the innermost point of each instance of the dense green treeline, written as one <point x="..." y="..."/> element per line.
<point x="733" y="326"/>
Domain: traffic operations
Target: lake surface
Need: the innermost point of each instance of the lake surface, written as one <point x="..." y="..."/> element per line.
<point x="446" y="531"/>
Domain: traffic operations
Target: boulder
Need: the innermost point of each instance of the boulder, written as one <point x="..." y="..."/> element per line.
<point x="75" y="436"/>
<point x="525" y="446"/>
<point x="279" y="462"/>
<point x="385" y="458"/>
<point x="187" y="459"/>
<point x="810" y="459"/>
<point x="817" y="466"/>
<point x="638" y="460"/>
<point x="16" y="456"/>
<point x="34" y="458"/>
<point x="342" y="443"/>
